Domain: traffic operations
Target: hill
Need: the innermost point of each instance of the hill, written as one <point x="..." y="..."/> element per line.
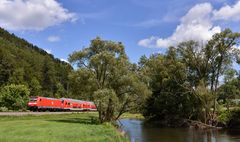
<point x="24" y="63"/>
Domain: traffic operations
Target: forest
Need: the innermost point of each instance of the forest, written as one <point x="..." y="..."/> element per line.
<point x="191" y="81"/>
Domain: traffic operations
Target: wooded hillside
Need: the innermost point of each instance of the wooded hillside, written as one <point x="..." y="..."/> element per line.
<point x="24" y="63"/>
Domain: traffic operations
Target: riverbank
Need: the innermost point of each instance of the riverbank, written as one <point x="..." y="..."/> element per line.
<point x="81" y="127"/>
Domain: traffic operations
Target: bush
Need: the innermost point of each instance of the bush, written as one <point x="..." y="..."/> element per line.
<point x="234" y="119"/>
<point x="223" y="117"/>
<point x="3" y="109"/>
<point x="14" y="97"/>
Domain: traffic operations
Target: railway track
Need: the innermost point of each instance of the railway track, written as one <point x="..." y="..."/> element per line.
<point x="32" y="113"/>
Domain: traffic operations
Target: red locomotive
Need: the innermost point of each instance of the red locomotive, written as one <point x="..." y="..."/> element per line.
<point x="39" y="103"/>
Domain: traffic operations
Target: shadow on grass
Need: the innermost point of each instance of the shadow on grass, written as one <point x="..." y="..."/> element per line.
<point x="89" y="121"/>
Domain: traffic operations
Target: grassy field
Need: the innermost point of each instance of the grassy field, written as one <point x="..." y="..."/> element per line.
<point x="80" y="127"/>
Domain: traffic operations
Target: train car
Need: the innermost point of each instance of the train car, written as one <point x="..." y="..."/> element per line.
<point x="66" y="105"/>
<point x="79" y="105"/>
<point x="92" y="106"/>
<point x="39" y="103"/>
<point x="72" y="104"/>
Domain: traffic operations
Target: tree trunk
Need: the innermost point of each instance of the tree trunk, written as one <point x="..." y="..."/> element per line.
<point x="228" y="106"/>
<point x="100" y="112"/>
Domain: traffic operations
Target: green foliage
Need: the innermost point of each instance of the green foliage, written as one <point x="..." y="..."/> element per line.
<point x="105" y="76"/>
<point x="3" y="109"/>
<point x="6" y="65"/>
<point x="185" y="81"/>
<point x="230" y="90"/>
<point x="206" y="99"/>
<point x="224" y="117"/>
<point x="107" y="102"/>
<point x="35" y="87"/>
<point x="60" y="91"/>
<point x="171" y="98"/>
<point x="234" y="119"/>
<point x="82" y="84"/>
<point x="14" y="97"/>
<point x="24" y="63"/>
<point x="230" y="119"/>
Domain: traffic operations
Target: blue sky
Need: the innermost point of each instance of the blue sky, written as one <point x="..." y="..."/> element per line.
<point x="144" y="27"/>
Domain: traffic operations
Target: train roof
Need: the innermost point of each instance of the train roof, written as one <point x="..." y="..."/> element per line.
<point x="43" y="97"/>
<point x="74" y="100"/>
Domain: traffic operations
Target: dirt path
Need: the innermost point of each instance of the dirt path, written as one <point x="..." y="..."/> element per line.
<point x="32" y="113"/>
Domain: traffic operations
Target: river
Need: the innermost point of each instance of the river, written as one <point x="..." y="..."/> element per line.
<point x="141" y="133"/>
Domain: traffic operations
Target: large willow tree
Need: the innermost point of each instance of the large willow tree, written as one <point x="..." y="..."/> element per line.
<point x="106" y="76"/>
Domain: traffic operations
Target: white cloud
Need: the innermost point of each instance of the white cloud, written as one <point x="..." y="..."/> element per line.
<point x="32" y="14"/>
<point x="228" y="12"/>
<point x="236" y="47"/>
<point x="196" y="25"/>
<point x="53" y="38"/>
<point x="49" y="51"/>
<point x="64" y="60"/>
<point x="148" y="42"/>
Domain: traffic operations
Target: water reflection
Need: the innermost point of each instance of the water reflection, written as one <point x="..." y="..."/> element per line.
<point x="140" y="133"/>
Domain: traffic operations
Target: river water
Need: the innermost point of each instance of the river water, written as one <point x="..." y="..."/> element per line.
<point x="141" y="133"/>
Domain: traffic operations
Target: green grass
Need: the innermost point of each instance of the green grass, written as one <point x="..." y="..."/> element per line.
<point x="80" y="127"/>
<point x="132" y="115"/>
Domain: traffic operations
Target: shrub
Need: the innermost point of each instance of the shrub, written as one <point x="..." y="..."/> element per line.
<point x="14" y="97"/>
<point x="3" y="109"/>
<point x="234" y="119"/>
<point x="223" y="117"/>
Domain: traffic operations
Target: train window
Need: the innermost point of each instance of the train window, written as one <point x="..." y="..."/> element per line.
<point x="68" y="103"/>
<point x="33" y="99"/>
<point x="40" y="100"/>
<point x="62" y="101"/>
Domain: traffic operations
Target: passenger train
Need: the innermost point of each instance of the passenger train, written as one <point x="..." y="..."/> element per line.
<point x="38" y="103"/>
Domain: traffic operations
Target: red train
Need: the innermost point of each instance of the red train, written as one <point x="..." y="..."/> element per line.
<point x="39" y="103"/>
